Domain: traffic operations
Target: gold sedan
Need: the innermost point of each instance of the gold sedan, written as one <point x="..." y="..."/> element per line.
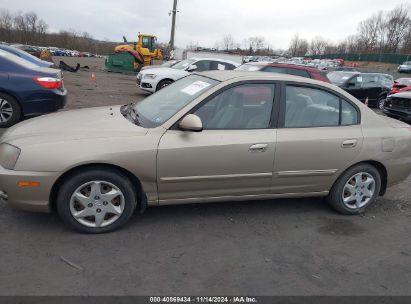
<point x="216" y="136"/>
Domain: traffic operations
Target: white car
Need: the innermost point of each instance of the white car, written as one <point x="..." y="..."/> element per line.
<point x="152" y="80"/>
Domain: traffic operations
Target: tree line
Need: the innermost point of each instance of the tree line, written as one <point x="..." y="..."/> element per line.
<point x="28" y="28"/>
<point x="383" y="32"/>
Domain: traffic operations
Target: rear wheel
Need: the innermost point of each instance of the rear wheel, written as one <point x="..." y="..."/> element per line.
<point x="10" y="111"/>
<point x="355" y="190"/>
<point x="96" y="201"/>
<point x="164" y="83"/>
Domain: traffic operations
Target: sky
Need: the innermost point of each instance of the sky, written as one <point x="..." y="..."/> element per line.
<point x="206" y="21"/>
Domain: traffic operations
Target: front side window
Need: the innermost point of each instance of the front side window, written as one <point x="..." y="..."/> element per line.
<point x="246" y="106"/>
<point x="310" y="107"/>
<point x="156" y="109"/>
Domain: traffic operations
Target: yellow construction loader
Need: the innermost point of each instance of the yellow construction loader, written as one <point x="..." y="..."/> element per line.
<point x="144" y="50"/>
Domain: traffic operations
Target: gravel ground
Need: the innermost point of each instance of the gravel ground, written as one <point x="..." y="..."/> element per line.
<point x="276" y="247"/>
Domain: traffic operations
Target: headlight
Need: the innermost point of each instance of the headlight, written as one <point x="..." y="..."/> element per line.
<point x="8" y="156"/>
<point x="150" y="76"/>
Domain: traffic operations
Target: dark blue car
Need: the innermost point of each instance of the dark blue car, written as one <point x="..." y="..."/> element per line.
<point x="27" y="89"/>
<point x="26" y="56"/>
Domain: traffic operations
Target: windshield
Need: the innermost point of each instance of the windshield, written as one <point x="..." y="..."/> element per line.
<point x="161" y="106"/>
<point x="183" y="64"/>
<point x="339" y="77"/>
<point x="249" y="67"/>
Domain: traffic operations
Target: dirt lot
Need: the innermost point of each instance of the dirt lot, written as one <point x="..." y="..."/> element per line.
<point x="276" y="247"/>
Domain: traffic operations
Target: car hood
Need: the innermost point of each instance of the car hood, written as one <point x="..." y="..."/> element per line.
<point x="101" y="122"/>
<point x="166" y="72"/>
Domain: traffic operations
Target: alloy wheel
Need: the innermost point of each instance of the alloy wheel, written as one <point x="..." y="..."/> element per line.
<point x="358" y="190"/>
<point x="97" y="204"/>
<point x="6" y="110"/>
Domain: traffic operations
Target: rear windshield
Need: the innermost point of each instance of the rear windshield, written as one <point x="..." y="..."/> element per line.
<point x="17" y="60"/>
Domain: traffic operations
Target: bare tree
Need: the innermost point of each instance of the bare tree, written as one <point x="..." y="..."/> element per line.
<point x="298" y="46"/>
<point x="397" y="23"/>
<point x="318" y="46"/>
<point x="227" y="42"/>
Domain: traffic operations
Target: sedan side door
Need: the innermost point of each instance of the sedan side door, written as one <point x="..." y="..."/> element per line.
<point x="231" y="157"/>
<point x="319" y="135"/>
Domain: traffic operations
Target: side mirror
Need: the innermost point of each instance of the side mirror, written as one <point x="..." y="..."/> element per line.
<point x="191" y="123"/>
<point x="192" y="68"/>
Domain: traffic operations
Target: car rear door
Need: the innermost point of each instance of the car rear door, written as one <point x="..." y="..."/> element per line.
<point x="319" y="134"/>
<point x="231" y="157"/>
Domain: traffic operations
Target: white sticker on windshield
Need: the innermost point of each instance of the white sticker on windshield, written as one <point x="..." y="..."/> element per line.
<point x="345" y="77"/>
<point x="195" y="87"/>
<point x="221" y="67"/>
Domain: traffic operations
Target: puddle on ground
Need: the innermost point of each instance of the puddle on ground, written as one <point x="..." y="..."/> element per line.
<point x="341" y="227"/>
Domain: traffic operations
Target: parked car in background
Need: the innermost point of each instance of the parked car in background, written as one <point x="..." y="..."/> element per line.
<point x="35" y="51"/>
<point x="283" y="68"/>
<point x="165" y="64"/>
<point x="205" y="138"/>
<point x="26" y="56"/>
<point x="374" y="86"/>
<point x="342" y="68"/>
<point x="405" y="67"/>
<point x="27" y="89"/>
<point x="401" y="85"/>
<point x="398" y="106"/>
<point x="152" y="80"/>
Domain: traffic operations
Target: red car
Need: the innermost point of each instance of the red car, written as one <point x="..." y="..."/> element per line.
<point x="401" y="85"/>
<point x="284" y="68"/>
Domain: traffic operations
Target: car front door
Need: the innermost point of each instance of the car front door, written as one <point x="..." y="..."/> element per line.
<point x="319" y="135"/>
<point x="231" y="157"/>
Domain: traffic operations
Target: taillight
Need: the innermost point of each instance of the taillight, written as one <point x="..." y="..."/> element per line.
<point x="49" y="82"/>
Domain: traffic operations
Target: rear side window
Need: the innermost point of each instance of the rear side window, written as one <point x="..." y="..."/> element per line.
<point x="311" y="107"/>
<point x="203" y="65"/>
<point x="275" y="70"/>
<point x="298" y="72"/>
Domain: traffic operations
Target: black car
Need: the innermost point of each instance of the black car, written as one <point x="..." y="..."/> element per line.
<point x="374" y="86"/>
<point x="27" y="89"/>
<point x="399" y="106"/>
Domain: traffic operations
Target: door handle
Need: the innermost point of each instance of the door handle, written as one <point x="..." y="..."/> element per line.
<point x="349" y="143"/>
<point x="258" y="148"/>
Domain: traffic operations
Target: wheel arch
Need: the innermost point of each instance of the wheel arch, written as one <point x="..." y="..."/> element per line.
<point x="381" y="169"/>
<point x="137" y="185"/>
<point x="7" y="92"/>
<point x="165" y="79"/>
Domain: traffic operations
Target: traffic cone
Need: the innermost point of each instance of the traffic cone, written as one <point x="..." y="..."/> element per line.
<point x="93" y="77"/>
<point x="366" y="101"/>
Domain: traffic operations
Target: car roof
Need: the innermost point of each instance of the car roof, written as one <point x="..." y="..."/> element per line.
<point x="286" y="65"/>
<point x="234" y="74"/>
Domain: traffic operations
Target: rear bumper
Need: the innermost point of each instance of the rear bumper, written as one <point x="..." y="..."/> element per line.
<point x="27" y="198"/>
<point x="44" y="102"/>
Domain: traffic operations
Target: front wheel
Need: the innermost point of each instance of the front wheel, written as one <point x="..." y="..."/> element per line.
<point x="96" y="201"/>
<point x="355" y="190"/>
<point x="164" y="83"/>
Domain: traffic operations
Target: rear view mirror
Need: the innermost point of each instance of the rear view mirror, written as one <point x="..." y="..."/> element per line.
<point x="192" y="68"/>
<point x="191" y="123"/>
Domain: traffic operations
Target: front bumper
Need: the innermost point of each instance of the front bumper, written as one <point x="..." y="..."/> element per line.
<point x="27" y="198"/>
<point x="397" y="113"/>
<point x="147" y="85"/>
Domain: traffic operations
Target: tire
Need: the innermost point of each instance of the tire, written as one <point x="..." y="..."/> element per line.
<point x="112" y="181"/>
<point x="10" y="111"/>
<point x="381" y="102"/>
<point x="339" y="190"/>
<point x="163" y="83"/>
